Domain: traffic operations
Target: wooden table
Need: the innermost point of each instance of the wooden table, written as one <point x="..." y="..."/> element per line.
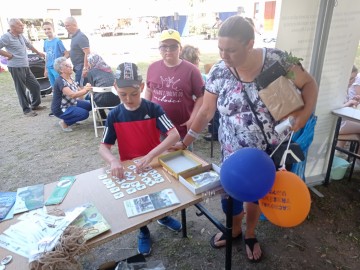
<point x="88" y="188"/>
<point x="345" y="113"/>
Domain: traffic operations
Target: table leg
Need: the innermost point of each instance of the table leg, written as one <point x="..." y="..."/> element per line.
<point x="212" y="137"/>
<point x="229" y="221"/>
<point x="226" y="230"/>
<point x="183" y="222"/>
<point x="332" y="151"/>
<point x="355" y="150"/>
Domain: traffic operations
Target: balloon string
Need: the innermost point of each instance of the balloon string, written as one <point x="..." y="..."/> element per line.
<point x="277" y="147"/>
<point x="286" y="152"/>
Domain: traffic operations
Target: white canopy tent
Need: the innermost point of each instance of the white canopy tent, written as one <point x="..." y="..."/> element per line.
<point x="325" y="35"/>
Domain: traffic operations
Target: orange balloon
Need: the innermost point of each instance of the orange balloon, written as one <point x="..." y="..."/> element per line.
<point x="288" y="202"/>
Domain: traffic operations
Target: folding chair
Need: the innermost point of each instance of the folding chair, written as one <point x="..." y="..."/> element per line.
<point x="353" y="141"/>
<point x="97" y="119"/>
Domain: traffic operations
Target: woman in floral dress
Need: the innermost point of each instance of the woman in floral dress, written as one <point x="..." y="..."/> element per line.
<point x="231" y="84"/>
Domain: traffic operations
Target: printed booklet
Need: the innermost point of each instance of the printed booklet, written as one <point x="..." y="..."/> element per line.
<point x="60" y="190"/>
<point x="7" y="200"/>
<point x="150" y="202"/>
<point x="29" y="198"/>
<point x="92" y="221"/>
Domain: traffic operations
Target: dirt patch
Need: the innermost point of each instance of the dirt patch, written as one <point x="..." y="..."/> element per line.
<point x="35" y="150"/>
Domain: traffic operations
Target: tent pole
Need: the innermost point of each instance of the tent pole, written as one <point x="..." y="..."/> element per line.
<point x="326" y="9"/>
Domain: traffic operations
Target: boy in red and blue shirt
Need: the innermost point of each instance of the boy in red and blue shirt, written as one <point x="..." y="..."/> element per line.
<point x="136" y="125"/>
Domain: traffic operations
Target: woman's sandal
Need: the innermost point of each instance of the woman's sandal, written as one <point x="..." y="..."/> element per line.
<point x="250" y="242"/>
<point x="222" y="238"/>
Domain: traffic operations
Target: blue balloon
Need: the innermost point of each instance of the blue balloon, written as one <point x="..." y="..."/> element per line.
<point x="248" y="174"/>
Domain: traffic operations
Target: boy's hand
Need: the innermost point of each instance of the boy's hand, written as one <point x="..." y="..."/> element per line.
<point x="143" y="163"/>
<point x="117" y="169"/>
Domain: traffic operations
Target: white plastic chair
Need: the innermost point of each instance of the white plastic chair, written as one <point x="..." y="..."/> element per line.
<point x="97" y="119"/>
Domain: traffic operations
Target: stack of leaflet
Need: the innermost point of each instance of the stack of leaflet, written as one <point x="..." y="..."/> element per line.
<point x="37" y="232"/>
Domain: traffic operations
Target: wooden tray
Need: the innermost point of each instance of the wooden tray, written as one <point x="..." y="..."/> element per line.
<point x="179" y="162"/>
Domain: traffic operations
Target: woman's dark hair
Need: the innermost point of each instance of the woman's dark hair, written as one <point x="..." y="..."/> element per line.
<point x="237" y="27"/>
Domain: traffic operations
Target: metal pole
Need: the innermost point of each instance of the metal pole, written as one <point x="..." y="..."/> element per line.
<point x="326" y="9"/>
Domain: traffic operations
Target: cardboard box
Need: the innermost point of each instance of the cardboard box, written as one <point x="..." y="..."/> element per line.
<point x="179" y="162"/>
<point x="186" y="179"/>
<point x="139" y="258"/>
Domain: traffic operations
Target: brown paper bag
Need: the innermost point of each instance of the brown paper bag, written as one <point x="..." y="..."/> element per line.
<point x="281" y="97"/>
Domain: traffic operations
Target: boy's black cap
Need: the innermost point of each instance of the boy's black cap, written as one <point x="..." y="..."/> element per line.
<point x="127" y="75"/>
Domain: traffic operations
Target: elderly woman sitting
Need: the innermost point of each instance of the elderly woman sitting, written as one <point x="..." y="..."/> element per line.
<point x="101" y="75"/>
<point x="67" y="103"/>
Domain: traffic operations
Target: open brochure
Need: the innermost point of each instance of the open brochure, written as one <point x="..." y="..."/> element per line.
<point x="29" y="198"/>
<point x="37" y="232"/>
<point x="151" y="202"/>
<point x="92" y="221"/>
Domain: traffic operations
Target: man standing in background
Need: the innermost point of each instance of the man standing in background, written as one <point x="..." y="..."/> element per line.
<point x="16" y="46"/>
<point x="79" y="50"/>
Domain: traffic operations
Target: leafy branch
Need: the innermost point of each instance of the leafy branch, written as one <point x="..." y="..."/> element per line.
<point x="295" y="61"/>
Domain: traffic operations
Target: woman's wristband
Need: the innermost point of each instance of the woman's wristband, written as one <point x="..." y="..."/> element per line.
<point x="193" y="134"/>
